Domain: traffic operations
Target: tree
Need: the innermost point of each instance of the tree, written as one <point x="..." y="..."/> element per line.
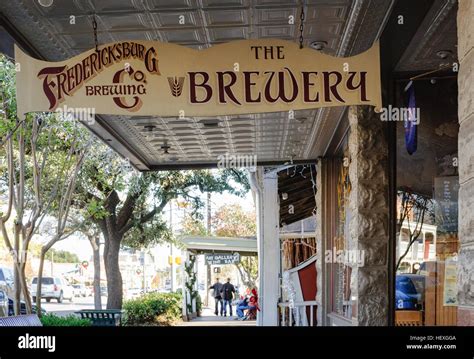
<point x="248" y="270"/>
<point x="414" y="208"/>
<point x="193" y="226"/>
<point x="89" y="229"/>
<point x="229" y="221"/>
<point x="41" y="151"/>
<point x="60" y="207"/>
<point x="233" y="221"/>
<point x="93" y="235"/>
<point x="126" y="205"/>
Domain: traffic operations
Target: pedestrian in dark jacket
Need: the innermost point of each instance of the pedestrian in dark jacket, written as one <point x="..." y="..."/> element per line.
<point x="227" y="291"/>
<point x="217" y="287"/>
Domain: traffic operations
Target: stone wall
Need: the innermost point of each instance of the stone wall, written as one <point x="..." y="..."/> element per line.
<point x="368" y="204"/>
<point x="465" y="25"/>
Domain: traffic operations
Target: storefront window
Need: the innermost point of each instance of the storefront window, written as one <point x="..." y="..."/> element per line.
<point x="427" y="217"/>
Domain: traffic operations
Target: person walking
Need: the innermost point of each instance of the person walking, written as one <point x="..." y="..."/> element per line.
<point x="217" y="287"/>
<point x="227" y="291"/>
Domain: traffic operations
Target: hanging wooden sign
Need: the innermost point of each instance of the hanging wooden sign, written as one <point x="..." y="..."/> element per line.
<point x="163" y="79"/>
<point x="222" y="258"/>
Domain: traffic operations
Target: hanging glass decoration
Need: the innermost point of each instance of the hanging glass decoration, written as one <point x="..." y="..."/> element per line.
<point x="411" y="122"/>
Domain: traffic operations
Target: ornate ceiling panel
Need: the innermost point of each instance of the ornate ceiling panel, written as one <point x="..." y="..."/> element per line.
<point x="348" y="27"/>
<point x="437" y="32"/>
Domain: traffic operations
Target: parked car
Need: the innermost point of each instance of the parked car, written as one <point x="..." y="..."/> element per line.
<point x="79" y="290"/>
<point x="407" y="297"/>
<point x="11" y="310"/>
<point x="7" y="281"/>
<point x="89" y="291"/>
<point x="53" y="288"/>
<point x="3" y="303"/>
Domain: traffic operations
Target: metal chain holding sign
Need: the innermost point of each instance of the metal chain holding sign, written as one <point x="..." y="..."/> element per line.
<point x="301" y="25"/>
<point x="94" y="26"/>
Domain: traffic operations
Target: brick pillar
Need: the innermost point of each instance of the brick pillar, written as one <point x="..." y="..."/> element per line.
<point x="466" y="162"/>
<point x="368" y="223"/>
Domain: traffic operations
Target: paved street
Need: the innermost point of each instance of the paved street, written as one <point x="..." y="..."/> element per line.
<point x="66" y="308"/>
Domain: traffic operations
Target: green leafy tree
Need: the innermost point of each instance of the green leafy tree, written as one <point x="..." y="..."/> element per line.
<point x="60" y="256"/>
<point x="127" y="205"/>
<point x="40" y="154"/>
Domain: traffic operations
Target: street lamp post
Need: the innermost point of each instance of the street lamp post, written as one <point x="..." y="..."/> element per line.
<point x="144" y="273"/>
<point x="52" y="263"/>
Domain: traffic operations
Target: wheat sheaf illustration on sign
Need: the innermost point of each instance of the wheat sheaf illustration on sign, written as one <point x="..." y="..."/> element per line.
<point x="176" y="85"/>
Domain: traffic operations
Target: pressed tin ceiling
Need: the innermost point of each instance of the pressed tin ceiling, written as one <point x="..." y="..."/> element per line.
<point x="435" y="43"/>
<point x="347" y="27"/>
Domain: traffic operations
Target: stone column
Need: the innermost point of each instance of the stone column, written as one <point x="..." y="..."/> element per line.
<point x="466" y="162"/>
<point x="369" y="218"/>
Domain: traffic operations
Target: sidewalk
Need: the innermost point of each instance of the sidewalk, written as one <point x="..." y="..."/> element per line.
<point x="209" y="319"/>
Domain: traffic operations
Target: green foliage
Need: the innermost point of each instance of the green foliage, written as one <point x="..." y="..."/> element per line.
<point x="7" y="94"/>
<point x="95" y="209"/>
<point x="153" y="309"/>
<point x="191" y="275"/>
<point x="157" y="188"/>
<point x="198" y="304"/>
<point x="62" y="256"/>
<point x="57" y="141"/>
<point x="154" y="232"/>
<point x="104" y="176"/>
<point x="52" y="320"/>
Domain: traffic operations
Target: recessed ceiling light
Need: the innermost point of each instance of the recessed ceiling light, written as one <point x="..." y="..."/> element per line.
<point x="165" y="147"/>
<point x="442" y="54"/>
<point x="149" y="128"/>
<point x="208" y="123"/>
<point x="318" y="45"/>
<point x="46" y="3"/>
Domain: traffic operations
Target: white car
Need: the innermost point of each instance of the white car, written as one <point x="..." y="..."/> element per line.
<point x="53" y="288"/>
<point x="80" y="290"/>
<point x="89" y="292"/>
<point x="3" y="304"/>
<point x="6" y="281"/>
